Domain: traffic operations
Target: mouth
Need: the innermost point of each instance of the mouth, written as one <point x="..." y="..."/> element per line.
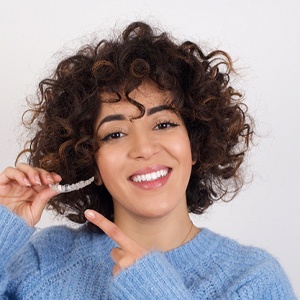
<point x="152" y="176"/>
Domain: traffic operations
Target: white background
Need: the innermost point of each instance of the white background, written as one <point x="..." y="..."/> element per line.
<point x="262" y="36"/>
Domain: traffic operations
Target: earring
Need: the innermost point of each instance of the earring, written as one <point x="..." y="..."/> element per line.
<point x="71" y="187"/>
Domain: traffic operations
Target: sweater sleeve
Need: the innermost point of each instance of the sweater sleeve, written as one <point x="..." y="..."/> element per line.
<point x="151" y="277"/>
<point x="14" y="234"/>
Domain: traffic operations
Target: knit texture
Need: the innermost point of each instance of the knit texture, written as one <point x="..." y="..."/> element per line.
<point x="64" y="263"/>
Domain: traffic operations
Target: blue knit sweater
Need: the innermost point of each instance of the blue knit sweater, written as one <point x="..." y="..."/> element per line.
<point x="63" y="263"/>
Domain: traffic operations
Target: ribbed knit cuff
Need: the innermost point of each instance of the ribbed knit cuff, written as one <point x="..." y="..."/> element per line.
<point x="14" y="232"/>
<point x="151" y="277"/>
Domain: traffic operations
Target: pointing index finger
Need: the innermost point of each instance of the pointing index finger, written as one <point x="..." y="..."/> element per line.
<point x="111" y="229"/>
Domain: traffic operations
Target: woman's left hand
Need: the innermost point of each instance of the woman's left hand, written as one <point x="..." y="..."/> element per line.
<point x="128" y="252"/>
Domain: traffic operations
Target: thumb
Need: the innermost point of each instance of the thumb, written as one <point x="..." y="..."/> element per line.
<point x="40" y="202"/>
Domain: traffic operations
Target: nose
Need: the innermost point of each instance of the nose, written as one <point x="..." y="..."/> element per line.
<point x="143" y="145"/>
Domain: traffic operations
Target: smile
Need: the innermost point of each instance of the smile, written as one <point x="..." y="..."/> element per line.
<point x="150" y="176"/>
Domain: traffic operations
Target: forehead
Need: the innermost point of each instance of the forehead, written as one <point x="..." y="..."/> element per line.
<point x="147" y="94"/>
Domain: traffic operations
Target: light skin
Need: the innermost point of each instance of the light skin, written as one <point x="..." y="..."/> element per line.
<point x="25" y="191"/>
<point x="150" y="212"/>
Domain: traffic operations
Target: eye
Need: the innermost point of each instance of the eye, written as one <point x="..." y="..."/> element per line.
<point x="165" y="125"/>
<point x="113" y="136"/>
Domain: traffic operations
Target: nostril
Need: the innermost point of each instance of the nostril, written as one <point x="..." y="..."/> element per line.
<point x="143" y="145"/>
<point x="145" y="152"/>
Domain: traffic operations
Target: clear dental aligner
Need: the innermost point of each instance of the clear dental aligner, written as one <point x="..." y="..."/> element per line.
<point x="66" y="188"/>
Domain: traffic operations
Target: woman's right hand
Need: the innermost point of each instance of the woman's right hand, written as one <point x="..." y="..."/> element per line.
<point x="25" y="191"/>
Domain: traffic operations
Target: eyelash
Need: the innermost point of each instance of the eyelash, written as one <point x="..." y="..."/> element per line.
<point x="168" y="123"/>
<point x="112" y="135"/>
<point x="116" y="134"/>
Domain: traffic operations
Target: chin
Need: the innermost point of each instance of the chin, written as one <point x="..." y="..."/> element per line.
<point x="155" y="212"/>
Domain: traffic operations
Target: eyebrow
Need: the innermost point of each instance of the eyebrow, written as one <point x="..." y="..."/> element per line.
<point x="120" y="117"/>
<point x="157" y="109"/>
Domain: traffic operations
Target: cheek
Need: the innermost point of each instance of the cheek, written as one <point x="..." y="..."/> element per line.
<point x="182" y="148"/>
<point x="109" y="162"/>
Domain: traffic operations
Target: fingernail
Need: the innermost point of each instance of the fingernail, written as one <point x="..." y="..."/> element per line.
<point x="49" y="178"/>
<point x="90" y="214"/>
<point x="27" y="182"/>
<point x="37" y="180"/>
<point x="57" y="177"/>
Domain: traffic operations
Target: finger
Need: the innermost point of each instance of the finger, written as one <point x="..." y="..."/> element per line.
<point x="56" y="177"/>
<point x="111" y="229"/>
<point x="123" y="259"/>
<point x="116" y="270"/>
<point x="31" y="173"/>
<point x="117" y="254"/>
<point x="41" y="201"/>
<point x="38" y="176"/>
<point x="48" y="177"/>
<point x="10" y="174"/>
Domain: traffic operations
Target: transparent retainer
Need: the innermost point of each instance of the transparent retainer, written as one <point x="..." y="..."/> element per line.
<point x="67" y="188"/>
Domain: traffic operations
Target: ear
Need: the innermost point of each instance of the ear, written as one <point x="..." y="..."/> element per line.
<point x="194" y="160"/>
<point x="98" y="179"/>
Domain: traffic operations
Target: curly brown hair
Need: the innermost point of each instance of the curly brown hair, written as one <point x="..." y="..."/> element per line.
<point x="63" y="118"/>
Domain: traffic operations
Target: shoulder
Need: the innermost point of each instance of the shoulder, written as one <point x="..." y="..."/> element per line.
<point x="56" y="255"/>
<point x="63" y="242"/>
<point x="217" y="255"/>
<point x="59" y="238"/>
<point x="222" y="250"/>
<point x="59" y="247"/>
<point x="236" y="253"/>
<point x="230" y="255"/>
<point x="250" y="272"/>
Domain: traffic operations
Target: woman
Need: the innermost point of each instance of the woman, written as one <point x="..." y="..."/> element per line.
<point x="163" y="132"/>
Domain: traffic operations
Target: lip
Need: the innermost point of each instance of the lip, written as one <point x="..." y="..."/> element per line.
<point x="153" y="184"/>
<point x="150" y="169"/>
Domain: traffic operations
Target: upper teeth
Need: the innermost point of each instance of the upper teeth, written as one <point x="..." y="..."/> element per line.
<point x="150" y="176"/>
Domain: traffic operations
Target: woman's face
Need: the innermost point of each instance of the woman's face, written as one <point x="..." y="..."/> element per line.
<point x="144" y="163"/>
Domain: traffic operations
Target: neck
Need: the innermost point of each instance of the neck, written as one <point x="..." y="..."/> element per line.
<point x="161" y="233"/>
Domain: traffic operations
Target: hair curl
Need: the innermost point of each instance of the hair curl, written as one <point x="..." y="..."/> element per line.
<point x="64" y="115"/>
